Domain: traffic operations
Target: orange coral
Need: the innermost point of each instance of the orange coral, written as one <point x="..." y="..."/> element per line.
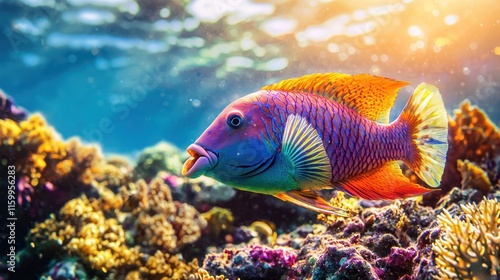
<point x="472" y="136"/>
<point x="473" y="176"/>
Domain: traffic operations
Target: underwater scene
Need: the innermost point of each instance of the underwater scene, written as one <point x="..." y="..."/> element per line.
<point x="247" y="139"/>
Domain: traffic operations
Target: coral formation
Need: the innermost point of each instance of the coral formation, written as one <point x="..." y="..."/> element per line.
<point x="148" y="229"/>
<point x="472" y="136"/>
<point x="473" y="176"/>
<point x="39" y="153"/>
<point x="202" y="274"/>
<point x="219" y="220"/>
<point x="115" y="172"/>
<point x="10" y="111"/>
<point x="161" y="157"/>
<point x="252" y="262"/>
<point x="469" y="247"/>
<point x="95" y="232"/>
<point x="159" y="221"/>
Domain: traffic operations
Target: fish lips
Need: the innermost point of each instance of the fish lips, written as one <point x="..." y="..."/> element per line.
<point x="201" y="161"/>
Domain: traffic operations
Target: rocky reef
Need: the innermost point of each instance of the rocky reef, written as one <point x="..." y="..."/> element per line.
<point x="87" y="216"/>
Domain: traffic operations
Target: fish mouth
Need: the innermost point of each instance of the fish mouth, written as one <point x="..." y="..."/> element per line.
<point x="201" y="161"/>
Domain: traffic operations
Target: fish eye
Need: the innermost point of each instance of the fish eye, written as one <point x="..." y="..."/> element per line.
<point x="235" y="120"/>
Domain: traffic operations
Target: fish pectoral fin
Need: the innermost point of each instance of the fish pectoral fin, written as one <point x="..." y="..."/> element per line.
<point x="303" y="147"/>
<point x="385" y="182"/>
<point x="312" y="201"/>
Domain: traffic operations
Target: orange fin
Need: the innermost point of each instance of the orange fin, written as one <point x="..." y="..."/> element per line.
<point x="386" y="182"/>
<point x="311" y="201"/>
<point x="371" y="96"/>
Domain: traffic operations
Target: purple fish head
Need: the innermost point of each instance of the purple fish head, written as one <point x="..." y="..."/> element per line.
<point x="234" y="147"/>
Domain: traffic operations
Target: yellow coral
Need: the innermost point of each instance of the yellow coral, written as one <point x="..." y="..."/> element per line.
<point x="87" y="231"/>
<point x="202" y="274"/>
<point x="473" y="176"/>
<point x="339" y="200"/>
<point x="40" y="154"/>
<point x="469" y="248"/>
<point x="219" y="220"/>
<point x="159" y="220"/>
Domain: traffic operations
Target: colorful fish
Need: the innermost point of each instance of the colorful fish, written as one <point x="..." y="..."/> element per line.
<point x="299" y="136"/>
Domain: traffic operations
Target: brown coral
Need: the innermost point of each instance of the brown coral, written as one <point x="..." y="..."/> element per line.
<point x="472" y="136"/>
<point x="469" y="247"/>
<point x="159" y="221"/>
<point x="473" y="176"/>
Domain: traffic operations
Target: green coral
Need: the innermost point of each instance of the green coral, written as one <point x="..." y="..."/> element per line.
<point x="161" y="157"/>
<point x="469" y="247"/>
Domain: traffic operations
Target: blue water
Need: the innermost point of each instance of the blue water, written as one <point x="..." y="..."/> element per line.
<point x="129" y="74"/>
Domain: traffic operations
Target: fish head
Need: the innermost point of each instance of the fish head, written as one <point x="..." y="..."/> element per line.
<point x="235" y="146"/>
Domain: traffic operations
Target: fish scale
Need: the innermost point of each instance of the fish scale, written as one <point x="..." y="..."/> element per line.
<point x="343" y="136"/>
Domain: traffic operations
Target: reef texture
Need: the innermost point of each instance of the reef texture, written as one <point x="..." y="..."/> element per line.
<point x="469" y="246"/>
<point x="472" y="136"/>
<point x="108" y="219"/>
<point x="134" y="234"/>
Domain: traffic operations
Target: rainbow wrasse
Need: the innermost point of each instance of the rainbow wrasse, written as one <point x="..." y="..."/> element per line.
<point x="296" y="137"/>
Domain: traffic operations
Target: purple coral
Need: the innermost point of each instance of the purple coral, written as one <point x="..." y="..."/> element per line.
<point x="397" y="264"/>
<point x="252" y="262"/>
<point x="339" y="262"/>
<point x="8" y="110"/>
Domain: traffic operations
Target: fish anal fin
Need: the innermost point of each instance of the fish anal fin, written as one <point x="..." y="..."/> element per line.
<point x="312" y="201"/>
<point x="386" y="182"/>
<point x="371" y="96"/>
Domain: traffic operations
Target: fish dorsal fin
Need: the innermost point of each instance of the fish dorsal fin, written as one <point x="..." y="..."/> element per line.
<point x="311" y="200"/>
<point x="385" y="182"/>
<point x="303" y="147"/>
<point x="371" y="96"/>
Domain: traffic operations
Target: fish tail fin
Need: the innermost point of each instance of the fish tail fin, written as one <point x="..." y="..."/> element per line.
<point x="427" y="119"/>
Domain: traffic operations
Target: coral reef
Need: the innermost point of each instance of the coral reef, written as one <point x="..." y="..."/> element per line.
<point x="473" y="176"/>
<point x="161" y="157"/>
<point x="469" y="247"/>
<point x="10" y="111"/>
<point x="110" y="226"/>
<point x="202" y="274"/>
<point x="96" y="231"/>
<point x="472" y="136"/>
<point x="159" y="221"/>
<point x="219" y="220"/>
<point x="114" y="173"/>
<point x="47" y="168"/>
<point x="252" y="262"/>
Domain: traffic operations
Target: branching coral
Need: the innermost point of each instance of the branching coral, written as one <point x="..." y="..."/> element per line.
<point x="472" y="136"/>
<point x="204" y="275"/>
<point x="159" y="221"/>
<point x="113" y="173"/>
<point x="39" y="153"/>
<point x="469" y="247"/>
<point x="95" y="231"/>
